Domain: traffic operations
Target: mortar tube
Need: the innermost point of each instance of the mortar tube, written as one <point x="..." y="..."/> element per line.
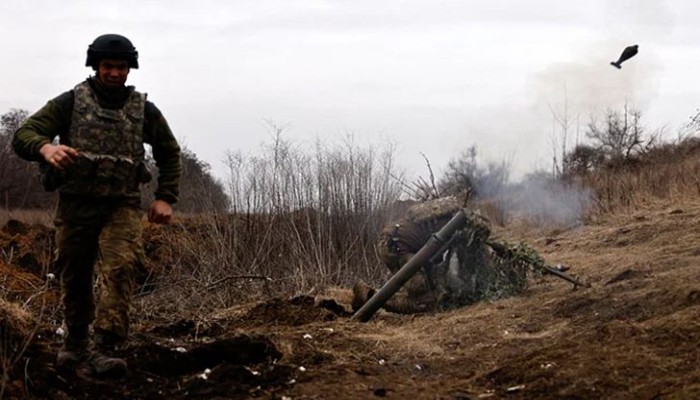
<point x="409" y="269"/>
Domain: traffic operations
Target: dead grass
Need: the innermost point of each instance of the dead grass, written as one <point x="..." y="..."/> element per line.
<point x="668" y="174"/>
<point x="38" y="216"/>
<point x="632" y="334"/>
<point x="17" y="328"/>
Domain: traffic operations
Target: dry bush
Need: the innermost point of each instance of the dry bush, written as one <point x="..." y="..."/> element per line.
<point x="301" y="219"/>
<point x="18" y="327"/>
<point x="15" y="330"/>
<point x="305" y="219"/>
<point x="669" y="172"/>
<point x="15" y="323"/>
<point x="20" y="186"/>
<point x="480" y="180"/>
<point x="200" y="191"/>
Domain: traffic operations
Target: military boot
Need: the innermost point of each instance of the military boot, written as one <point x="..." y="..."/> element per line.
<point x="361" y="293"/>
<point x="102" y="365"/>
<point x="107" y="341"/>
<point x="75" y="349"/>
<point x="402" y="303"/>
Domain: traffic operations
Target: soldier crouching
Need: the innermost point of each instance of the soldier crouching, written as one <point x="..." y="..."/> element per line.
<point x="467" y="272"/>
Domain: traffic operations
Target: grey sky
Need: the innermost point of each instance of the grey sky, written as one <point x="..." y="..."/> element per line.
<point x="437" y="76"/>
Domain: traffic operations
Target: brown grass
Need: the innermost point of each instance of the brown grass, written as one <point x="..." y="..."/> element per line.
<point x="41" y="217"/>
<point x="639" y="320"/>
<point x="668" y="174"/>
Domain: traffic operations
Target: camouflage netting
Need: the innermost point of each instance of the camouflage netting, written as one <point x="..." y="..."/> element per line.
<point x="475" y="267"/>
<point x="474" y="271"/>
<point x="422" y="220"/>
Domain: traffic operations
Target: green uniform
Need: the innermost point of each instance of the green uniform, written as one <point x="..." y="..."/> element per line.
<point x="98" y="215"/>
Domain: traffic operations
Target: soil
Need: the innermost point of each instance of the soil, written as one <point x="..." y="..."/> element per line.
<point x="635" y="333"/>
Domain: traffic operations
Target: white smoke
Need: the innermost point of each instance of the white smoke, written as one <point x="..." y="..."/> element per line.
<point x="571" y="93"/>
<point x="547" y="200"/>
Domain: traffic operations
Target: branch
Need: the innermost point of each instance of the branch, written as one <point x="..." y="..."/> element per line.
<point x="231" y="277"/>
<point x="432" y="176"/>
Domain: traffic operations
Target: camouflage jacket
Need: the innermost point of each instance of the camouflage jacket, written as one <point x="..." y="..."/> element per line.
<point x="54" y="119"/>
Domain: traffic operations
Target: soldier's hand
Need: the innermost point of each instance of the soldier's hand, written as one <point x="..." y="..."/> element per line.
<point x="58" y="156"/>
<point x="160" y="212"/>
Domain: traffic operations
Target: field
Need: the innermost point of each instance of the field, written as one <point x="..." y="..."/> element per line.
<point x="632" y="334"/>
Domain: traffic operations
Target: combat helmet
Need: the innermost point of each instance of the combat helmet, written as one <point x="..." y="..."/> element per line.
<point x="111" y="45"/>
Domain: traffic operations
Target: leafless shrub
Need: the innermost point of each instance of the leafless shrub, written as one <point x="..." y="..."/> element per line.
<point x="540" y="197"/>
<point x="583" y="159"/>
<point x="301" y="218"/>
<point x="621" y="135"/>
<point x="20" y="185"/>
<point x="200" y="191"/>
<point x="625" y="171"/>
<point x="649" y="179"/>
<point x="15" y="329"/>
<point x="624" y="167"/>
<point x="479" y="180"/>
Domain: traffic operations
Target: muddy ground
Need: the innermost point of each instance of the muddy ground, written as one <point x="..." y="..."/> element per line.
<point x="635" y="333"/>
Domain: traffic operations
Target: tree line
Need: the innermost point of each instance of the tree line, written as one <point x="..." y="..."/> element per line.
<point x="21" y="188"/>
<point x="618" y="138"/>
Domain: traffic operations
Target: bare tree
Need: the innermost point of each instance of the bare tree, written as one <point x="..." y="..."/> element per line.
<point x="11" y="121"/>
<point x="200" y="191"/>
<point x="621" y="135"/>
<point x="464" y="175"/>
<point x="20" y="186"/>
<point x="560" y="143"/>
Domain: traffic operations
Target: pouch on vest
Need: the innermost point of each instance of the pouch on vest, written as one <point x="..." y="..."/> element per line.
<point x="124" y="176"/>
<point x="104" y="179"/>
<point x="50" y="177"/>
<point x="80" y="177"/>
<point x="142" y="173"/>
<point x="114" y="176"/>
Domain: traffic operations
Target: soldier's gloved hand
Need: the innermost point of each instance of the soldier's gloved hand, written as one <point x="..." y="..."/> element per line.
<point x="160" y="212"/>
<point x="58" y="156"/>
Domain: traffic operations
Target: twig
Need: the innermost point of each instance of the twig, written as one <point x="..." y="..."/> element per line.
<point x="231" y="277"/>
<point x="432" y="176"/>
<point x="411" y="191"/>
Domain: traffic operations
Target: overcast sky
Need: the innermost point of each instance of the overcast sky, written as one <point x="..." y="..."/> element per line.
<point x="434" y="76"/>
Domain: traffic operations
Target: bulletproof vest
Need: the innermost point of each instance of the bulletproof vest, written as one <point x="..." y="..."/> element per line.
<point x="110" y="145"/>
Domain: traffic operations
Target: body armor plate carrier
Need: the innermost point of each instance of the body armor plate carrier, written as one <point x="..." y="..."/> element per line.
<point x="110" y="147"/>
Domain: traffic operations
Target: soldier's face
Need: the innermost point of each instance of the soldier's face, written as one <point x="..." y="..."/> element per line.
<point x="112" y="73"/>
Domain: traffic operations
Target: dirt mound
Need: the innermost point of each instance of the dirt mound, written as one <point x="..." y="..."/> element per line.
<point x="300" y="310"/>
<point x="29" y="247"/>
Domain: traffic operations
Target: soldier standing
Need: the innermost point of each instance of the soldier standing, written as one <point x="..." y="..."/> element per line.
<point x="97" y="167"/>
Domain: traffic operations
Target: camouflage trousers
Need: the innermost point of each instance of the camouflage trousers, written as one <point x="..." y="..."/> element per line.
<point x="94" y="232"/>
